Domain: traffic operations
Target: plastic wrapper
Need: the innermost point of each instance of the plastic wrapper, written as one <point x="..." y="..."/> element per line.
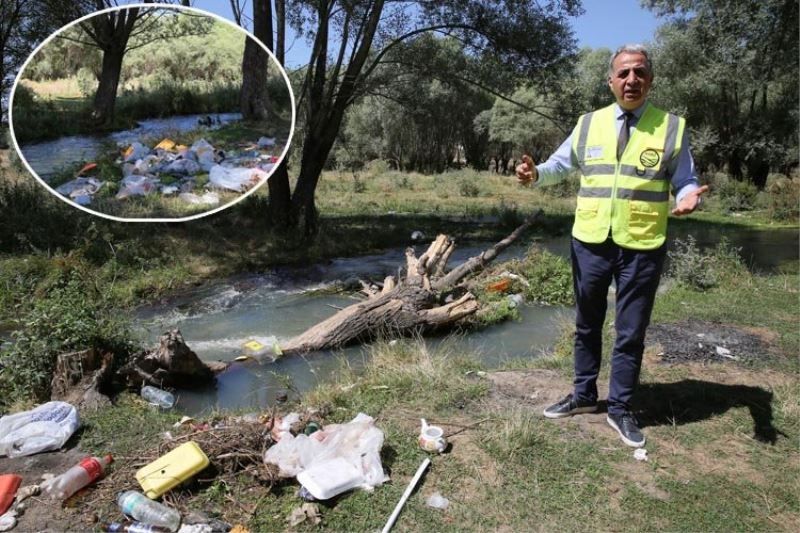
<point x="338" y="457"/>
<point x="235" y="179"/>
<point x="137" y="186"/>
<point x="135" y="152"/>
<point x="209" y="198"/>
<point x="81" y="190"/>
<point x="44" y="428"/>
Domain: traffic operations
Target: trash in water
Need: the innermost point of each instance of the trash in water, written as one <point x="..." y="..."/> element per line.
<point x="9" y="483"/>
<point x="171" y="469"/>
<point x="417" y="235"/>
<point x="141" y="508"/>
<point x="84" y="473"/>
<point x="261" y="347"/>
<point x="307" y="511"/>
<point x="640" y="454"/>
<point x="334" y="459"/>
<point x="437" y="501"/>
<point x="158" y="397"/>
<point x="44" y="428"/>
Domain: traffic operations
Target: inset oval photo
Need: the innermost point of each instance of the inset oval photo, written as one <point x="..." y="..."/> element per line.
<point x="151" y="113"/>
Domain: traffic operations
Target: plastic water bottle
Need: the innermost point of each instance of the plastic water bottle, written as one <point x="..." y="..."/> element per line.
<point x="159" y="397"/>
<point x="77" y="477"/>
<point x="132" y="527"/>
<point x="141" y="508"/>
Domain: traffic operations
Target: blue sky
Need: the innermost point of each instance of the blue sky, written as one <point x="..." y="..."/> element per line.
<point x="605" y="23"/>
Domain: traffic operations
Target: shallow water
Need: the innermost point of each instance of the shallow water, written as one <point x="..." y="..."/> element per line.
<point x="49" y="157"/>
<point x="217" y="319"/>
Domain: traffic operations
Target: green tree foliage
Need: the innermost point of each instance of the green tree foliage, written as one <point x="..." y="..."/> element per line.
<point x="732" y="69"/>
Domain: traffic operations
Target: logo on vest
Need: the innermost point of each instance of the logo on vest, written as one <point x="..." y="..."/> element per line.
<point x="649" y="158"/>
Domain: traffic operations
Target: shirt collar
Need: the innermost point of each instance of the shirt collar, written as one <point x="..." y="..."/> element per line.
<point x="637" y="113"/>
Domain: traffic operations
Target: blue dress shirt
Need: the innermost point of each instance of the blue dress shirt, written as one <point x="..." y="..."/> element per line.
<point x="680" y="170"/>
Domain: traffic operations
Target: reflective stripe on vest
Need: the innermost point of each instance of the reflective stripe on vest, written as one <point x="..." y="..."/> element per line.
<point x="629" y="197"/>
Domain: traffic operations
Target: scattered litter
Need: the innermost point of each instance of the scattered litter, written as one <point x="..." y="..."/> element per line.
<point x="262" y="346"/>
<point x="182" y="421"/>
<point x="80" y="190"/>
<point x="171" y="469"/>
<point x="243" y="358"/>
<point x="437" y="501"/>
<point x="26" y="492"/>
<point x="156" y="396"/>
<point x="209" y="198"/>
<point x="135" y="185"/>
<point x="239" y="528"/>
<point x="336" y="458"/>
<point x="393" y="342"/>
<point x="81" y="475"/>
<point x="282" y="426"/>
<point x="499" y="286"/>
<point x="86" y="168"/>
<point x="44" y="428"/>
<point x="134" y="152"/>
<point x="196" y="528"/>
<point x="265" y="142"/>
<point x="406" y="494"/>
<point x="9" y="483"/>
<point x="431" y="438"/>
<point x="140" y="507"/>
<point x="307" y="511"/>
<point x="166" y="144"/>
<point x="640" y="454"/>
<point x="515" y="300"/>
<point x="168" y="190"/>
<point x="8" y="521"/>
<point x="236" y="179"/>
<point x="517" y="277"/>
<point x="724" y="352"/>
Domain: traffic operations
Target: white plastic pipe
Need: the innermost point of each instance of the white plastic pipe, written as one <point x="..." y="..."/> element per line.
<point x="406" y="494"/>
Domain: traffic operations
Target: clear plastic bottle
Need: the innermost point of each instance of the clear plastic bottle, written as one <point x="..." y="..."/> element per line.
<point x="132" y="527"/>
<point x="77" y="477"/>
<point x="141" y="508"/>
<point x="161" y="398"/>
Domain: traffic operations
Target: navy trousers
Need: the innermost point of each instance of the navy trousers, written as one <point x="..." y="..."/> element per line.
<point x="636" y="274"/>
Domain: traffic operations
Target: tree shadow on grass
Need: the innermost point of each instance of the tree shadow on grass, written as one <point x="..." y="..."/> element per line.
<point x="692" y="400"/>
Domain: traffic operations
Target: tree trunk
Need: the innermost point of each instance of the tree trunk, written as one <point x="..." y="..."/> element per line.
<point x="411" y="304"/>
<point x="280" y="215"/>
<point x="106" y="96"/>
<point x="253" y="98"/>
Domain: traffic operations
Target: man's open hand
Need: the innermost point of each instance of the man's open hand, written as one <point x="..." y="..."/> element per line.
<point x="689" y="202"/>
<point x="526" y="171"/>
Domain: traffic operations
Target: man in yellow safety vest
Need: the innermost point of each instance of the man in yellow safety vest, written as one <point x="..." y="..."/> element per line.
<point x="628" y="155"/>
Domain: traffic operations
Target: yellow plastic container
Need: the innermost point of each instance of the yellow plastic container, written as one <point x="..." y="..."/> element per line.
<point x="171" y="469"/>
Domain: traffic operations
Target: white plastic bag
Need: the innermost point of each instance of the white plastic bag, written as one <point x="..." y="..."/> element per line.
<point x="209" y="198"/>
<point x="44" y="428"/>
<point x="81" y="190"/>
<point x="236" y="179"/>
<point x="357" y="443"/>
<point x="136" y="151"/>
<point x="137" y="186"/>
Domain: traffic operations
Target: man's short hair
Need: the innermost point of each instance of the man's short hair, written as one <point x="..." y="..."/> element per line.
<point x="632" y="49"/>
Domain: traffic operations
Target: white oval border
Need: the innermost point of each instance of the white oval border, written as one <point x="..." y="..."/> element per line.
<point x="159" y="6"/>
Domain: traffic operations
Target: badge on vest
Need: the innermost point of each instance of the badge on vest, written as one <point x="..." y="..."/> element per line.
<point x="594" y="152"/>
<point x="649" y="158"/>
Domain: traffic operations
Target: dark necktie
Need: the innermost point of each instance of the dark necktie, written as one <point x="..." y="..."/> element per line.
<point x="622" y="140"/>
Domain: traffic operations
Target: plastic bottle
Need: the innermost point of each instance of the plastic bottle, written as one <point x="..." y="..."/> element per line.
<point x="141" y="508"/>
<point x="132" y="527"/>
<point x="77" y="477"/>
<point x="161" y="398"/>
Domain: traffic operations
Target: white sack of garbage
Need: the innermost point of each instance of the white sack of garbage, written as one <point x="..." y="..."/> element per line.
<point x="135" y="152"/>
<point x="237" y="179"/>
<point x="42" y="429"/>
<point x="209" y="198"/>
<point x="335" y="459"/>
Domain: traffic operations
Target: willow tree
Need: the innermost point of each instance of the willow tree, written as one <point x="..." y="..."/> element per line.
<point x="350" y="39"/>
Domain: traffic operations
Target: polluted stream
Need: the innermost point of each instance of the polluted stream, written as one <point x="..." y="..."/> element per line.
<point x="217" y="319"/>
<point x="48" y="158"/>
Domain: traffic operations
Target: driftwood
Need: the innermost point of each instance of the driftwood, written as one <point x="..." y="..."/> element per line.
<point x="416" y="302"/>
<point x="82" y="378"/>
<point x="172" y="364"/>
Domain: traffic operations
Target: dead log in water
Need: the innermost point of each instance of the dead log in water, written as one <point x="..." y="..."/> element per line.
<point x="416" y="302"/>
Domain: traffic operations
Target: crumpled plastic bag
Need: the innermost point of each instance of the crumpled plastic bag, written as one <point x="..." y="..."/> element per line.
<point x="137" y="186"/>
<point x="236" y="179"/>
<point x="182" y="166"/>
<point x="81" y="190"/>
<point x="44" y="428"/>
<point x="135" y="152"/>
<point x="358" y="443"/>
<point x="266" y="141"/>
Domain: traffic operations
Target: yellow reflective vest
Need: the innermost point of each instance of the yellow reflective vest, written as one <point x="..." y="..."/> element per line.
<point x="629" y="197"/>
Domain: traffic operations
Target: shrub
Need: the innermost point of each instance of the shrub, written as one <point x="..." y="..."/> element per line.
<point x="549" y="277"/>
<point x="782" y="198"/>
<point x="735" y="195"/>
<point x="73" y="315"/>
<point x="692" y="267"/>
<point x="468" y="187"/>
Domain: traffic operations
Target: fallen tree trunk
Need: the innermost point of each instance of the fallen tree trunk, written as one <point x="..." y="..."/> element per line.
<point x="416" y="302"/>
